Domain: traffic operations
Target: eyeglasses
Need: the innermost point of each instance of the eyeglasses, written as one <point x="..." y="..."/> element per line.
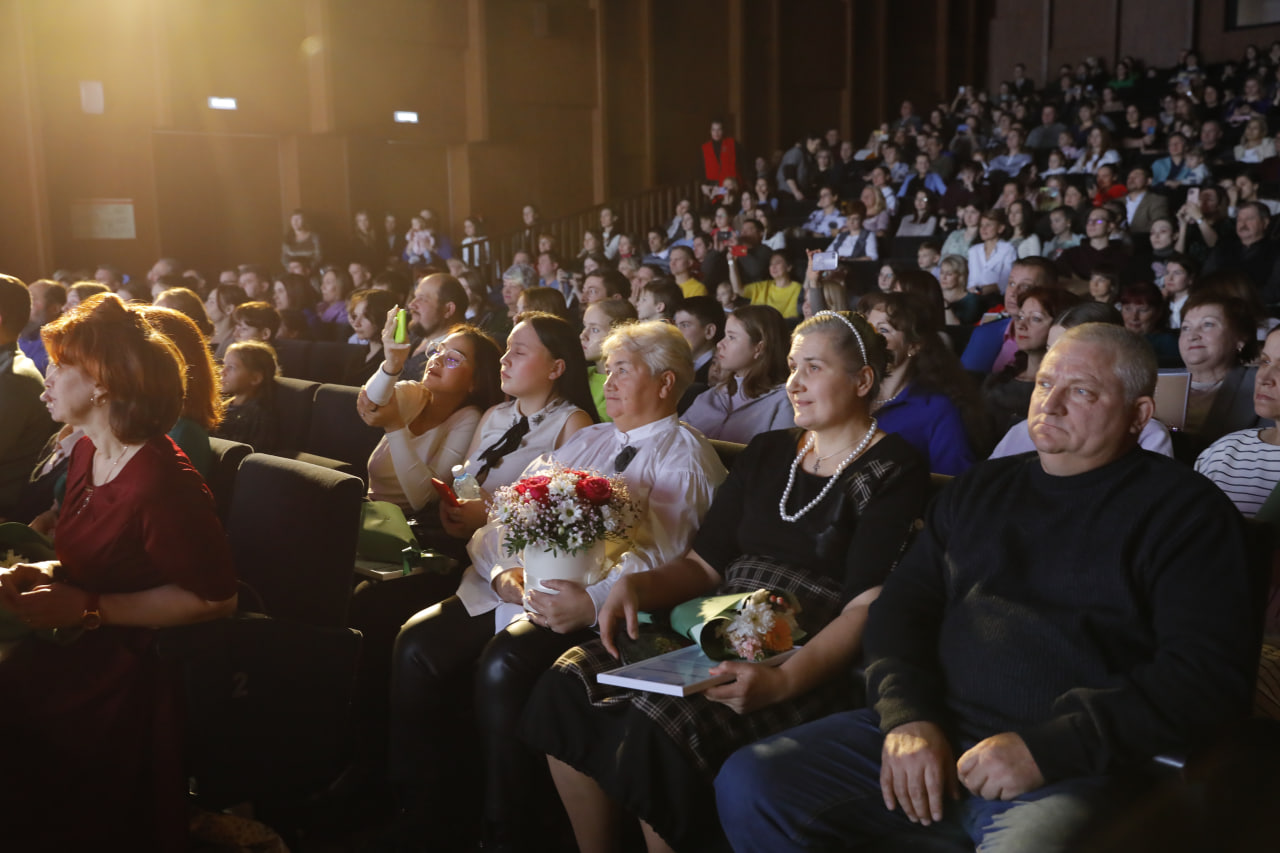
<point x="1099" y="220"/>
<point x="1035" y="319"/>
<point x="452" y="358"/>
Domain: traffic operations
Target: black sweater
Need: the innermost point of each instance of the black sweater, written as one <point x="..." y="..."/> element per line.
<point x="1104" y="617"/>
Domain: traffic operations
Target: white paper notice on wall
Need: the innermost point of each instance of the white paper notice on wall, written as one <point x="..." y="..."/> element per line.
<point x="92" y="101"/>
<point x="103" y="219"/>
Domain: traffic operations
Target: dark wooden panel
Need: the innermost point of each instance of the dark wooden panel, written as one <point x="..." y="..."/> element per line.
<point x="249" y="50"/>
<point x="218" y="199"/>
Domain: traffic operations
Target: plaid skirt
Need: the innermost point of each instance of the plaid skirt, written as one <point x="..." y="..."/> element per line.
<point x="708" y="731"/>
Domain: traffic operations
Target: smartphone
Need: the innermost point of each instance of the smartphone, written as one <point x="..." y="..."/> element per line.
<point x="738" y="251"/>
<point x="445" y="491"/>
<point x="1193" y="195"/>
<point x="824" y="261"/>
<point x="402" y="327"/>
<point x="961" y="90"/>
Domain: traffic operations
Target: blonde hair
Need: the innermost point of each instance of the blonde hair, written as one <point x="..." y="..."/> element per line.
<point x="659" y="345"/>
<point x="958" y="264"/>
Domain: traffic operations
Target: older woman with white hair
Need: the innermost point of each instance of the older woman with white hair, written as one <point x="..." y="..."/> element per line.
<point x="821" y="512"/>
<point x="485" y="633"/>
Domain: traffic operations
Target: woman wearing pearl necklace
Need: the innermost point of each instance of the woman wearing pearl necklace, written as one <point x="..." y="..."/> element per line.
<point x="821" y="511"/>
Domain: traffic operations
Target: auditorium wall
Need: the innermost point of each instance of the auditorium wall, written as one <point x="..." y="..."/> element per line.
<point x="1044" y="34"/>
<point x="566" y="103"/>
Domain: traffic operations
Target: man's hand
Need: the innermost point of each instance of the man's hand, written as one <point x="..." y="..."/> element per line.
<point x="999" y="768"/>
<point x="916" y="771"/>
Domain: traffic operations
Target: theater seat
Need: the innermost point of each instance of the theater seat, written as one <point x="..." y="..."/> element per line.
<point x="728" y="451"/>
<point x="267" y="708"/>
<point x="292" y="400"/>
<point x="338" y="437"/>
<point x="293" y="530"/>
<point x="293" y="357"/>
<point x="227" y="457"/>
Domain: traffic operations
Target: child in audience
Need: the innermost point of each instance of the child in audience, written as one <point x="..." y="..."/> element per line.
<point x="1063" y="238"/>
<point x="248" y="372"/>
<point x="928" y="256"/>
<point x="597" y="321"/>
<point x="255" y="321"/>
<point x="1197" y="171"/>
<point x="418" y="242"/>
<point x="1104" y="285"/>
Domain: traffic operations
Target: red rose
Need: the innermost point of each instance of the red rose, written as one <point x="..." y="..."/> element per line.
<point x="533" y="482"/>
<point x="595" y="489"/>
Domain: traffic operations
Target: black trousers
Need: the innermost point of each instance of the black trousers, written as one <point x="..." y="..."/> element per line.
<point x="457" y="694"/>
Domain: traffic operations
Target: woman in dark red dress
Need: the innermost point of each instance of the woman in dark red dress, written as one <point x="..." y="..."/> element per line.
<point x="92" y="757"/>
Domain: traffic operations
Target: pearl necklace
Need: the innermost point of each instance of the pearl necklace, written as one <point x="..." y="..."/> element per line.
<point x="831" y="482"/>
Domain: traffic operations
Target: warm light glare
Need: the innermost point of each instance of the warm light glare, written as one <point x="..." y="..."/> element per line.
<point x="405" y="117"/>
<point x="222" y="103"/>
<point x="92" y="101"/>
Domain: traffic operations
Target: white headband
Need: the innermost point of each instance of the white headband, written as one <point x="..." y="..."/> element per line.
<point x="843" y="319"/>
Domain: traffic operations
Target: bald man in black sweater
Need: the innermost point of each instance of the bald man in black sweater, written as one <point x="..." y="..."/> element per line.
<point x="1064" y="617"/>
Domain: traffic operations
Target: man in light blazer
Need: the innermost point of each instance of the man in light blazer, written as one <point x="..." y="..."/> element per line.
<point x="1143" y="207"/>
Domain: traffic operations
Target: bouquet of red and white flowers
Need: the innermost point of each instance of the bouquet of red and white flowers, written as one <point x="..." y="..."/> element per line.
<point x="565" y="510"/>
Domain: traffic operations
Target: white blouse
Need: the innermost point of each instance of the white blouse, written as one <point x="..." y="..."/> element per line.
<point x="402" y="465"/>
<point x="544" y="428"/>
<point x="672" y="479"/>
<point x="996" y="269"/>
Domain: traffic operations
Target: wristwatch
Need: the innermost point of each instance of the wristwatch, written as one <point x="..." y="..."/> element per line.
<point x="91" y="618"/>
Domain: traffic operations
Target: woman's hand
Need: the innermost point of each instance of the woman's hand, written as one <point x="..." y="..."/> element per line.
<point x="570" y="609"/>
<point x="509" y="586"/>
<point x="394" y="354"/>
<point x="23" y="578"/>
<point x="45" y="522"/>
<point x="464" y="519"/>
<point x="388" y="417"/>
<point x="755" y="687"/>
<point x="624" y="604"/>
<point x="54" y="605"/>
<point x="810" y="274"/>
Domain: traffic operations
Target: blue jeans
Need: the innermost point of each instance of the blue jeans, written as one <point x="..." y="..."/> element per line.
<point x="817" y="787"/>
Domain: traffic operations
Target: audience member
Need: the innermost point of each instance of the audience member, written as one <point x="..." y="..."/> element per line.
<point x="139" y="547"/>
<point x="248" y="377"/>
<point x="26" y="425"/>
<point x="991" y="259"/>
<point x="1154" y="436"/>
<point x="701" y="321"/>
<point x="659" y="300"/>
<point x="1246" y="464"/>
<point x="1217" y="343"/>
<point x="255" y="321"/>
<point x="672" y="472"/>
<point x="48" y="300"/>
<point x="1044" y="754"/>
<point x="926" y="397"/>
<point x="299" y="243"/>
<point x="779" y="291"/>
<point x="750" y="398"/>
<point x="830" y="552"/>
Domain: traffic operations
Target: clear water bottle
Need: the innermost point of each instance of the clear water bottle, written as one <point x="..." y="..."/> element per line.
<point x="465" y="485"/>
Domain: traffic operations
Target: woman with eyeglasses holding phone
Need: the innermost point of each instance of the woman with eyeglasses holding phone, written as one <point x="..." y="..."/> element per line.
<point x="428" y="424"/>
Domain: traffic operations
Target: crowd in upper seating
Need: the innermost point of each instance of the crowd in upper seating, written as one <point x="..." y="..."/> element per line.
<point x="887" y="311"/>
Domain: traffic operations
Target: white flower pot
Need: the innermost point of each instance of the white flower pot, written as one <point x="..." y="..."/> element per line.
<point x="542" y="565"/>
